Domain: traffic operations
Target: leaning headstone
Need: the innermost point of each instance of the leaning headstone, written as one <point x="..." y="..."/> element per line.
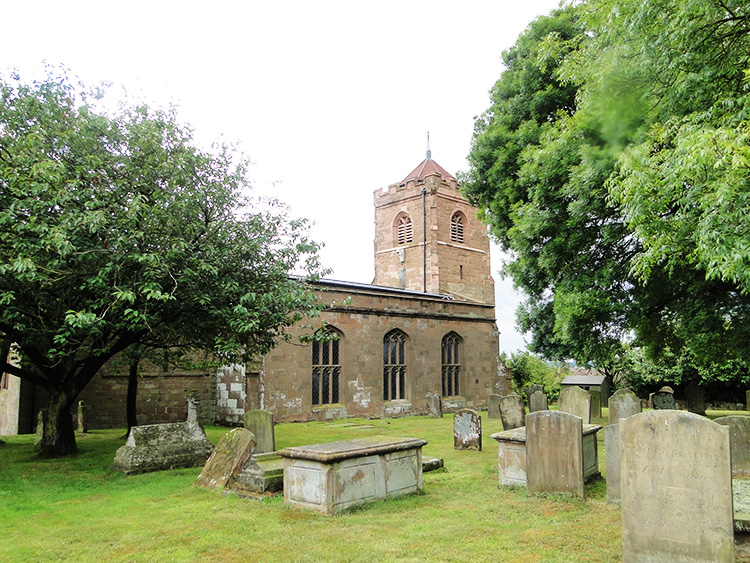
<point x="538" y="402"/>
<point x="554" y="453"/>
<point x="434" y="405"/>
<point x="739" y="439"/>
<point x="260" y="423"/>
<point x="530" y="390"/>
<point x="577" y="401"/>
<point x="153" y="447"/>
<point x="493" y="406"/>
<point x="612" y="447"/>
<point x="676" y="488"/>
<point x="467" y="430"/>
<point x="623" y="404"/>
<point x="82" y="420"/>
<point x="227" y="459"/>
<point x="663" y="400"/>
<point x="512" y="411"/>
<point x="596" y="404"/>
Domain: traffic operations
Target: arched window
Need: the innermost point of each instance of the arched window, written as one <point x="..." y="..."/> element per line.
<point x="451" y="364"/>
<point x="403" y="229"/>
<point x="326" y="367"/>
<point x="394" y="366"/>
<point x="457" y="227"/>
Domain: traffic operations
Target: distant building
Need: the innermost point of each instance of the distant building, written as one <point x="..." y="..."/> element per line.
<point x="425" y="324"/>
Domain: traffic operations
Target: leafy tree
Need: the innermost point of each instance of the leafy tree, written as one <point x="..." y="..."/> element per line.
<point x="118" y="230"/>
<point x="529" y="369"/>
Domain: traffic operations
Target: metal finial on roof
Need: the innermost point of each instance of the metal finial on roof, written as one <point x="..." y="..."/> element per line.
<point x="429" y="152"/>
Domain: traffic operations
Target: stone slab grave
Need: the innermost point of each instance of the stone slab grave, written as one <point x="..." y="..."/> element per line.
<point x="663" y="400"/>
<point x="623" y="404"/>
<point x="335" y="476"/>
<point x="467" y="430"/>
<point x="512" y="454"/>
<point x="676" y="488"/>
<point x="493" y="406"/>
<point x="227" y="460"/>
<point x="612" y="449"/>
<point x="512" y="411"/>
<point x="260" y="423"/>
<point x="434" y="405"/>
<point x="538" y="402"/>
<point x="577" y="401"/>
<point x="739" y="440"/>
<point x="554" y="453"/>
<point x="155" y="447"/>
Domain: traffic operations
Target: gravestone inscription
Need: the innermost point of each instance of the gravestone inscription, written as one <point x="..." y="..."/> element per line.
<point x="467" y="430"/>
<point x="676" y="488"/>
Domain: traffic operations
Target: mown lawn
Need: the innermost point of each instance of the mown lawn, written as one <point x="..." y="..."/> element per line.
<point x="78" y="509"/>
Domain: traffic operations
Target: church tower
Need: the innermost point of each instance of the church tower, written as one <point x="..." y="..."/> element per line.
<point x="428" y="238"/>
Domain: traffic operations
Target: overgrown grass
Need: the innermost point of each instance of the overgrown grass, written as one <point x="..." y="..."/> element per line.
<point x="78" y="509"/>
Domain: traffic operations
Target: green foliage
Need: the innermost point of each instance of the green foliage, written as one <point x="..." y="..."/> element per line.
<point x="117" y="229"/>
<point x="529" y="369"/>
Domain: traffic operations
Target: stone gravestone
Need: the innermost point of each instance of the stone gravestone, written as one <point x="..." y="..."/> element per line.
<point x="434" y="405"/>
<point x="623" y="404"/>
<point x="612" y="448"/>
<point x="82" y="420"/>
<point x="467" y="430"/>
<point x="512" y="411"/>
<point x="577" y="401"/>
<point x="227" y="460"/>
<point x="493" y="406"/>
<point x="531" y="389"/>
<point x="676" y="488"/>
<point x="153" y="447"/>
<point x="747" y="399"/>
<point x="596" y="404"/>
<point x="260" y="423"/>
<point x="554" y="453"/>
<point x="663" y="400"/>
<point x="538" y="402"/>
<point x="739" y="440"/>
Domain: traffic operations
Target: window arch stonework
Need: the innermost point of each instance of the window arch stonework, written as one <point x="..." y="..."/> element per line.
<point x="403" y="229"/>
<point x="394" y="366"/>
<point x="326" y="367"/>
<point x="450" y="351"/>
<point x="458" y="222"/>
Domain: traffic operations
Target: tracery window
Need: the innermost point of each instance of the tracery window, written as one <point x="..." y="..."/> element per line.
<point x="404" y="230"/>
<point x="457" y="228"/>
<point x="326" y="368"/>
<point x="451" y="361"/>
<point x="394" y="366"/>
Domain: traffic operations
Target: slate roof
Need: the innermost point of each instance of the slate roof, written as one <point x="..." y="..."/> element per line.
<point x="582" y="380"/>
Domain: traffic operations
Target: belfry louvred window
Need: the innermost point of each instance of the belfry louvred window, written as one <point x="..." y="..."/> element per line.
<point x="404" y="230"/>
<point x="457" y="228"/>
<point x="326" y="368"/>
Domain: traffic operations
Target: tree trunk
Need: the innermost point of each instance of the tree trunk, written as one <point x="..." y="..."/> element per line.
<point x="696" y="399"/>
<point x="132" y="394"/>
<point x="59" y="437"/>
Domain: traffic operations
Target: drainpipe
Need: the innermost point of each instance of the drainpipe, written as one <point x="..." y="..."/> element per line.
<point x="424" y="238"/>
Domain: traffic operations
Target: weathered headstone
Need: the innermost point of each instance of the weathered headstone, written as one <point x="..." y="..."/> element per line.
<point x="596" y="404"/>
<point x="493" y="406"/>
<point x="577" y="401"/>
<point x="153" y="447"/>
<point x="227" y="460"/>
<point x="512" y="411"/>
<point x="623" y="404"/>
<point x="747" y="400"/>
<point x="739" y="439"/>
<point x="554" y="453"/>
<point x="260" y="423"/>
<point x="82" y="420"/>
<point x="538" y="402"/>
<point x="612" y="448"/>
<point x="530" y="390"/>
<point x="467" y="430"/>
<point x="676" y="488"/>
<point x="434" y="405"/>
<point x="663" y="400"/>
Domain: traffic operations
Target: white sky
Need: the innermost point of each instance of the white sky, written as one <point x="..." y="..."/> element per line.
<point x="331" y="99"/>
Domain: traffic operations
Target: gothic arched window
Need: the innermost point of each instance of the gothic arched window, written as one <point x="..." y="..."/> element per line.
<point x="457" y="227"/>
<point x="403" y="229"/>
<point x="394" y="366"/>
<point x="326" y="367"/>
<point x="451" y="361"/>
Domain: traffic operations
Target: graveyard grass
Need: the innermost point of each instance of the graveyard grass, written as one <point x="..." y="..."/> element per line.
<point x="78" y="509"/>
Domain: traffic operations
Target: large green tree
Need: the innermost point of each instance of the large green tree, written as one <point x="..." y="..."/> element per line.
<point x="116" y="229"/>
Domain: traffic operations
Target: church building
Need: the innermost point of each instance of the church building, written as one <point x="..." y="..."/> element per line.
<point x="425" y="325"/>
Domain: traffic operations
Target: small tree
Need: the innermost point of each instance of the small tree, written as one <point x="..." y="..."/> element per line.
<point x="117" y="230"/>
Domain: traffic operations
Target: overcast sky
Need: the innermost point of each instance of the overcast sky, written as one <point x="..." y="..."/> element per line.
<point x="330" y="99"/>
